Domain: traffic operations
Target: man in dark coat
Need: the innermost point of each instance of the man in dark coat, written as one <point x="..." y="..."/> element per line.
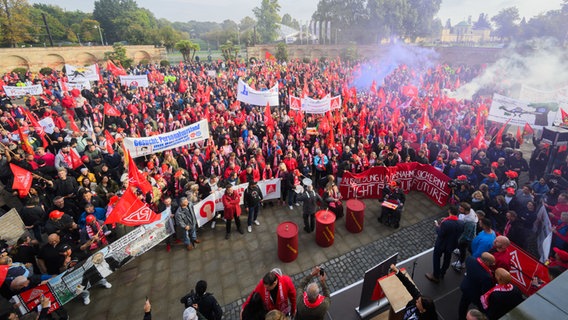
<point x="449" y="231"/>
<point x="310" y="199"/>
<point x="309" y="302"/>
<point x="503" y="297"/>
<point x="477" y="280"/>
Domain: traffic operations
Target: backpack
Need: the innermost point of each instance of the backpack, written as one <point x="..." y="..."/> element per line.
<point x="190" y="299"/>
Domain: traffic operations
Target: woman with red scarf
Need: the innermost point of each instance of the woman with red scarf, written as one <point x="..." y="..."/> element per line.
<point x="232" y="210"/>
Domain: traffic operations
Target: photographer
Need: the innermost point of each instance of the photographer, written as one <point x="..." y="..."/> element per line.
<point x="310" y="303"/>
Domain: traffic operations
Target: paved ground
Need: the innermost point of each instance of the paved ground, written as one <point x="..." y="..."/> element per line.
<point x="233" y="267"/>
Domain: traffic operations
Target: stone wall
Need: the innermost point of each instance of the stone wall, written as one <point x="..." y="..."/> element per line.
<point x="36" y="58"/>
<point x="452" y="55"/>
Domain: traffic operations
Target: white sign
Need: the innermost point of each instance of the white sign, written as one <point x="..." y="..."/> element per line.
<point x="136" y="81"/>
<point x="538" y="115"/>
<point x="206" y="208"/>
<point x="35" y="90"/>
<point x="248" y="95"/>
<point x="309" y="105"/>
<point x="195" y="132"/>
<point x="47" y="124"/>
<point x="85" y="84"/>
<point x="78" y="74"/>
<point x="535" y="95"/>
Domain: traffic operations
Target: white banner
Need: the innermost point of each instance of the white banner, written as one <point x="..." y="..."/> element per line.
<point x="47" y="124"/>
<point x="309" y="105"/>
<point x="84" y="84"/>
<point x="78" y="74"/>
<point x="34" y="90"/>
<point x="195" y="132"/>
<point x="538" y="115"/>
<point x="206" y="208"/>
<point x="137" y="81"/>
<point x="535" y="95"/>
<point x="248" y="95"/>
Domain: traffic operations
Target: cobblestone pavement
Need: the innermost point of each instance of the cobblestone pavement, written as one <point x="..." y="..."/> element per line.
<point x="233" y="267"/>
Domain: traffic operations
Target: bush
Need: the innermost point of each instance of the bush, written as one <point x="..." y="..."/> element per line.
<point x="46" y="71"/>
<point x="21" y="71"/>
<point x="144" y="62"/>
<point x="306" y="60"/>
<point x="164" y="63"/>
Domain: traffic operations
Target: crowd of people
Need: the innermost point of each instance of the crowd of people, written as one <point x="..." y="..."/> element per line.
<point x="379" y="125"/>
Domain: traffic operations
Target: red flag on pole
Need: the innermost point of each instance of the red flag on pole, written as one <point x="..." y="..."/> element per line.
<point x="111" y="111"/>
<point x="269" y="56"/>
<point x="131" y="211"/>
<point x="38" y="127"/>
<point x="22" y="180"/>
<point x="135" y="178"/>
<point x="269" y="122"/>
<point x="26" y="146"/>
<point x="72" y="123"/>
<point x="75" y="159"/>
<point x="114" y="69"/>
<point x="499" y="137"/>
<point x="109" y="142"/>
<point x="527" y="129"/>
<point x="410" y="91"/>
<point x="519" y="136"/>
<point x="466" y="154"/>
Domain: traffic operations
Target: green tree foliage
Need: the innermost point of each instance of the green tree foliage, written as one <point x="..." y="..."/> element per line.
<point x="187" y="49"/>
<point x="350" y="16"/>
<point x="230" y="51"/>
<point x="287" y="20"/>
<point x="506" y="23"/>
<point x="119" y="55"/>
<point x="123" y="20"/>
<point x="482" y="22"/>
<point x="281" y="52"/>
<point x="267" y="18"/>
<point x="15" y="23"/>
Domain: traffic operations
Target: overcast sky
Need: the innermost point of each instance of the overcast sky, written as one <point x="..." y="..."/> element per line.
<point x="219" y="10"/>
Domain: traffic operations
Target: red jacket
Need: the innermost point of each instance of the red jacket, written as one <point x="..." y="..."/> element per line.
<point x="231" y="205"/>
<point x="285" y="299"/>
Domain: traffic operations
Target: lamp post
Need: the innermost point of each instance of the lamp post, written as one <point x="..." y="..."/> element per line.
<point x="239" y="35"/>
<point x="100" y="34"/>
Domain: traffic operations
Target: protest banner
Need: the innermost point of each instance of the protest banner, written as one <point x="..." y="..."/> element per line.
<point x="135" y="81"/>
<point x="12" y="226"/>
<point x="411" y="176"/>
<point x="206" y="208"/>
<point x="47" y="124"/>
<point x="537" y="115"/>
<point x="66" y="286"/>
<point x="34" y="90"/>
<point x="79" y="85"/>
<point x="79" y="74"/>
<point x="248" y="95"/>
<point x="530" y="94"/>
<point x="315" y="106"/>
<point x="195" y="132"/>
<point x="524" y="268"/>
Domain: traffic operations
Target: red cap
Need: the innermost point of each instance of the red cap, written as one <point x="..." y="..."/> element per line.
<point x="90" y="219"/>
<point x="477" y="162"/>
<point x="492" y="175"/>
<point x="462" y="177"/>
<point x="510" y="190"/>
<point x="178" y="173"/>
<point x="112" y="200"/>
<point x="557" y="172"/>
<point x="495" y="164"/>
<point x="562" y="255"/>
<point x="393" y="183"/>
<point x="453" y="162"/>
<point x="157" y="177"/>
<point x="511" y="174"/>
<point x="84" y="158"/>
<point x="150" y="165"/>
<point x="55" y="214"/>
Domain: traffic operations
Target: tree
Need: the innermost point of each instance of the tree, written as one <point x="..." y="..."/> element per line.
<point x="505" y="21"/>
<point x="350" y="16"/>
<point x="282" y="52"/>
<point x="229" y="50"/>
<point x="119" y="55"/>
<point x="287" y="20"/>
<point x="15" y="23"/>
<point x="187" y="49"/>
<point x="482" y="22"/>
<point x="267" y="18"/>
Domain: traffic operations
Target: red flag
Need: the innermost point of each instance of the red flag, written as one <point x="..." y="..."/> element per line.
<point x="410" y="91"/>
<point x="114" y="69"/>
<point x="182" y="86"/>
<point x="499" y="137"/>
<point x="269" y="56"/>
<point x="75" y="159"/>
<point x="527" y="129"/>
<point x="73" y="124"/>
<point x="22" y="180"/>
<point x="374" y="87"/>
<point x="135" y="178"/>
<point x="111" y="111"/>
<point x="564" y="117"/>
<point x="519" y="136"/>
<point x="466" y="154"/>
<point x="38" y="127"/>
<point x="131" y="211"/>
<point x="269" y="122"/>
<point x="109" y="142"/>
<point x="26" y="146"/>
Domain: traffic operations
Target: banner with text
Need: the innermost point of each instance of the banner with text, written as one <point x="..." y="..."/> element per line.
<point x="136" y="81"/>
<point x="309" y="105"/>
<point x="34" y="90"/>
<point x="538" y="115"/>
<point x="195" y="132"/>
<point x="77" y="74"/>
<point x="412" y="176"/>
<point x="79" y="85"/>
<point x="47" y="124"/>
<point x="66" y="286"/>
<point x="206" y="208"/>
<point x="248" y="95"/>
<point x="525" y="268"/>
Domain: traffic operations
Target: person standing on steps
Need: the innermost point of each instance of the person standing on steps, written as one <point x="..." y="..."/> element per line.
<point x="310" y="199"/>
<point x="449" y="231"/>
<point x="252" y="200"/>
<point x="187" y="222"/>
<point x="232" y="210"/>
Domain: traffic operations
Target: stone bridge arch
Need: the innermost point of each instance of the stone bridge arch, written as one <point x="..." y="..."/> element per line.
<point x="16" y="61"/>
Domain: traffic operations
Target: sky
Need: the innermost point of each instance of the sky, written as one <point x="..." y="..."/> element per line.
<point x="302" y="10"/>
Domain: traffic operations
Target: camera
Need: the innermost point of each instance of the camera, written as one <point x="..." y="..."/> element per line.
<point x="322" y="271"/>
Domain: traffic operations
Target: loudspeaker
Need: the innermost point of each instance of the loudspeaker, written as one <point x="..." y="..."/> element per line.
<point x="556" y="136"/>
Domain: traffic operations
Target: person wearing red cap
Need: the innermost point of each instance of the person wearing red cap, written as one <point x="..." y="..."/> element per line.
<point x="439" y="164"/>
<point x="93" y="235"/>
<point x="392" y="193"/>
<point x="555" y="179"/>
<point x="560" y="258"/>
<point x="492" y="184"/>
<point x="63" y="225"/>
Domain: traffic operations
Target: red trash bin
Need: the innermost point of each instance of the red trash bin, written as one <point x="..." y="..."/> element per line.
<point x="287" y="241"/>
<point x="325" y="228"/>
<point x="355" y="215"/>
